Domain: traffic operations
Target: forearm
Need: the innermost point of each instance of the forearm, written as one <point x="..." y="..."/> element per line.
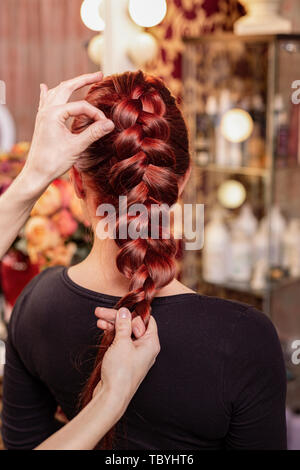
<point x="86" y="430"/>
<point x="15" y="207"/>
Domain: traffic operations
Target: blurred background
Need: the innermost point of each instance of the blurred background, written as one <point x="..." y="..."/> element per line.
<point x="234" y="67"/>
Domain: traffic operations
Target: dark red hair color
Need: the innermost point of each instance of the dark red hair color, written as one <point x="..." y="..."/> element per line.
<point x="144" y="158"/>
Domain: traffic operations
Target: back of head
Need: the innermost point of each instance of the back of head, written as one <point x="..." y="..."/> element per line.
<point x="145" y="159"/>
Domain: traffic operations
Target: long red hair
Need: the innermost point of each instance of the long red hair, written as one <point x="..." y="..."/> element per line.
<point x="144" y="158"/>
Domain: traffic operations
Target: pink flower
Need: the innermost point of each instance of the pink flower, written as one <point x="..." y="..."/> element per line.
<point x="65" y="223"/>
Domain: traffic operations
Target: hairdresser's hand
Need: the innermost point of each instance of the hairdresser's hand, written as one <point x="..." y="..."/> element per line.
<point x="54" y="148"/>
<point x="127" y="361"/>
<point x="107" y="318"/>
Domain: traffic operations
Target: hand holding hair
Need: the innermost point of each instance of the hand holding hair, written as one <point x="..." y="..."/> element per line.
<point x="107" y="317"/>
<point x="124" y="367"/>
<point x="53" y="151"/>
<point x="127" y="361"/>
<point x="54" y="148"/>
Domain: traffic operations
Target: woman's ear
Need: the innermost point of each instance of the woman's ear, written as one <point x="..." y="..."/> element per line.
<point x="76" y="180"/>
<point x="184" y="180"/>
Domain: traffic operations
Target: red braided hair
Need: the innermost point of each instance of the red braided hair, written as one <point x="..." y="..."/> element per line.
<point x="144" y="158"/>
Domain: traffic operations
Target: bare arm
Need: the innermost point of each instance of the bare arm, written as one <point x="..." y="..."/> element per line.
<point x="53" y="151"/>
<point x="89" y="426"/>
<point x="15" y="207"/>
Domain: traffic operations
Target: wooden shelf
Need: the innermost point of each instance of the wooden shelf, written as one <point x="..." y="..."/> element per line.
<point x="241" y="170"/>
<point x="242" y="287"/>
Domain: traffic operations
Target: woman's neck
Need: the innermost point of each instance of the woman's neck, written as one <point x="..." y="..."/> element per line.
<point x="99" y="272"/>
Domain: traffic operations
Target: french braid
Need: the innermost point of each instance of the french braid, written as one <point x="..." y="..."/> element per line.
<point x="143" y="159"/>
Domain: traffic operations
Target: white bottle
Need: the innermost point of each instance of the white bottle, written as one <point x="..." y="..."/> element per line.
<point x="215" y="250"/>
<point x="241" y="257"/>
<point x="260" y="243"/>
<point x="291" y="248"/>
<point x="259" y="276"/>
<point x="277" y="230"/>
<point x="246" y="221"/>
<point x="212" y="107"/>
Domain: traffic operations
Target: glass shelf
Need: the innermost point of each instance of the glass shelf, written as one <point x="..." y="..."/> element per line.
<point x="247" y="289"/>
<point x="242" y="170"/>
<point x="227" y="77"/>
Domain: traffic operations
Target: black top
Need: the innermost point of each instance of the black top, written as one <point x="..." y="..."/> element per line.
<point x="218" y="382"/>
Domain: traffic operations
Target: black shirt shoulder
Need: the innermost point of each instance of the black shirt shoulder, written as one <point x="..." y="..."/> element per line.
<point x="31" y="303"/>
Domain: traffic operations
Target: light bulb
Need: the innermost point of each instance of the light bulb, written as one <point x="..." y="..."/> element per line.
<point x="231" y="194"/>
<point x="147" y="13"/>
<point x="96" y="49"/>
<point x="90" y="15"/>
<point x="236" y="125"/>
<point x="142" y="49"/>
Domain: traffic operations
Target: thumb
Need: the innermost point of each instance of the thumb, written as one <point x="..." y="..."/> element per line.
<point x="94" y="132"/>
<point x="123" y="324"/>
<point x="43" y="94"/>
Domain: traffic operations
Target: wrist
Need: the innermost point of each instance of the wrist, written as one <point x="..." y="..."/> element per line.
<point x="30" y="185"/>
<point x="116" y="401"/>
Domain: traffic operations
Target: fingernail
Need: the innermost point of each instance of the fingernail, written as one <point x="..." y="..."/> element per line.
<point x="108" y="126"/>
<point x="124" y="313"/>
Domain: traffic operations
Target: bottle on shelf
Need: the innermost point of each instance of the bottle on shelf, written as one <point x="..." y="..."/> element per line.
<point x="241" y="257"/>
<point x="246" y="221"/>
<point x="294" y="139"/>
<point x="282" y="147"/>
<point x="215" y="260"/>
<point x="260" y="243"/>
<point x="259" y="276"/>
<point x="212" y="113"/>
<point x="258" y="113"/>
<point x="291" y="248"/>
<point x="201" y="143"/>
<point x="282" y="132"/>
<point x="255" y="149"/>
<point x="206" y="123"/>
<point x="260" y="256"/>
<point x="277" y="225"/>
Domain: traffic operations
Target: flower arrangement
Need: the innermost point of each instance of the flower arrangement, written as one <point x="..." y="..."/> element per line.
<point x="56" y="232"/>
<point x="11" y="164"/>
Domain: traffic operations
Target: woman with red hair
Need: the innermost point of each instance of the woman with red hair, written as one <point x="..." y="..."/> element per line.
<point x="219" y="380"/>
<point x="126" y="362"/>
